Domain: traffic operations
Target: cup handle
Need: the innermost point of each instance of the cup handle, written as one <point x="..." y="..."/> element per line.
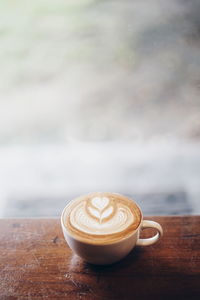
<point x="155" y="238"/>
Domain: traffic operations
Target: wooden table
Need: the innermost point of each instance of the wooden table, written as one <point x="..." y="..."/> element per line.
<point x="36" y="263"/>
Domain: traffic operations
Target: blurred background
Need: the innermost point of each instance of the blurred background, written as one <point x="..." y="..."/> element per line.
<point x="99" y="96"/>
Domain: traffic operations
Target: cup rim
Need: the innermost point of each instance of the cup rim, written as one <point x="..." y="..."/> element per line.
<point x="79" y="239"/>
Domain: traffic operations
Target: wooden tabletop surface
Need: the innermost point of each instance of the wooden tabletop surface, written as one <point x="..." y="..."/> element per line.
<point x="36" y="263"/>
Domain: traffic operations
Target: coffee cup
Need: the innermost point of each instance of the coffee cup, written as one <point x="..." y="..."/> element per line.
<point x="103" y="228"/>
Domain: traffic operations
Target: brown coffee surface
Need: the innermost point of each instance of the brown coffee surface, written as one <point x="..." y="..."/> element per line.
<point x="101" y="218"/>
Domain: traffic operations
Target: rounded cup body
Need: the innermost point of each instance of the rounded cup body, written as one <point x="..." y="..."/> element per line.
<point x="102" y="254"/>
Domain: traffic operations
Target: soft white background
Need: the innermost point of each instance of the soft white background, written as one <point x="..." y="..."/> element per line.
<point x="98" y="95"/>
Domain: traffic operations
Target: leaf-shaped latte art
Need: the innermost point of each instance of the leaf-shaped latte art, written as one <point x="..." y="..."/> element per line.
<point x="101" y="215"/>
<point x="111" y="220"/>
<point x="99" y="208"/>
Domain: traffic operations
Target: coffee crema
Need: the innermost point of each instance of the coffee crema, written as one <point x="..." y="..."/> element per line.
<point x="101" y="218"/>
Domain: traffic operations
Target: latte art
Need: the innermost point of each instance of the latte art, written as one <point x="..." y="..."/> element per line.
<point x="101" y="216"/>
<point x="99" y="208"/>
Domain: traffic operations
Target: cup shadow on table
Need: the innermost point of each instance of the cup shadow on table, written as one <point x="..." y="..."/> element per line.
<point x="104" y="282"/>
<point x="139" y="275"/>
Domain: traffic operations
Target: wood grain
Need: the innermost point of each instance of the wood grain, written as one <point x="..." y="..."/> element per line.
<point x="36" y="263"/>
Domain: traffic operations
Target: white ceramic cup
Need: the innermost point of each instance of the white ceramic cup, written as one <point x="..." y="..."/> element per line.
<point x="110" y="253"/>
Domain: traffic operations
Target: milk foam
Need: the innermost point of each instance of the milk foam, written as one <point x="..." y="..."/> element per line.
<point x="101" y="215"/>
<point x="101" y="218"/>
